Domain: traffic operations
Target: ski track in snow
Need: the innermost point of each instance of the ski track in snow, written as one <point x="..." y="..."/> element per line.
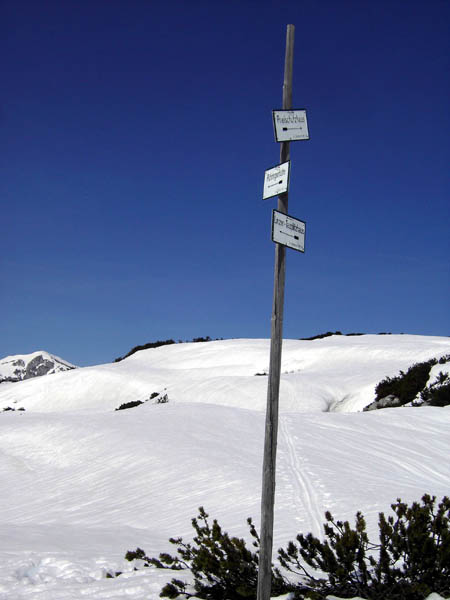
<point x="305" y="497"/>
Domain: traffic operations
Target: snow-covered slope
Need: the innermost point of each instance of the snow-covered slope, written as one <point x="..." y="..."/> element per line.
<point x="82" y="483"/>
<point x="26" y="366"/>
<point x="337" y="373"/>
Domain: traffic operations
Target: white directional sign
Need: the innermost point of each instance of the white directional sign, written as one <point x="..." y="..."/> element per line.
<point x="276" y="180"/>
<point x="290" y="125"/>
<point x="288" y="231"/>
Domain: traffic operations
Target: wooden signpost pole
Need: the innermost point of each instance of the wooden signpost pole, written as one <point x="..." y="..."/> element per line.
<point x="270" y="443"/>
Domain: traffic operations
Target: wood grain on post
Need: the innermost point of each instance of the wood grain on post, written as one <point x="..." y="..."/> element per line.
<point x="273" y="388"/>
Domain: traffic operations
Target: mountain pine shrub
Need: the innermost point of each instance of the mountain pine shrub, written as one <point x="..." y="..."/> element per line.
<point x="159" y="343"/>
<point x="438" y="392"/>
<point x="410" y="560"/>
<point x="407" y="386"/>
<point x="131" y="404"/>
<point x="222" y="566"/>
<point x="145" y="347"/>
<point x="439" y="396"/>
<point x="162" y="399"/>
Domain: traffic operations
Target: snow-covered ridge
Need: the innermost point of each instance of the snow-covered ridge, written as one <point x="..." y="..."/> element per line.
<point x="333" y="374"/>
<point x="26" y="366"/>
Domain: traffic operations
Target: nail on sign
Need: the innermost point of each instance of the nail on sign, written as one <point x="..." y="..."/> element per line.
<point x="290" y="125"/>
<point x="276" y="180"/>
<point x="288" y="231"/>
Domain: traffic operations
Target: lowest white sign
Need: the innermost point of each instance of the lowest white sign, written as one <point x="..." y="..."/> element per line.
<point x="276" y="180"/>
<point x="288" y="231"/>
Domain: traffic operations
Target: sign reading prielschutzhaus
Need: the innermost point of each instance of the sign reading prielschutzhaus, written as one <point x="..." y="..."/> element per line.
<point x="276" y="180"/>
<point x="288" y="231"/>
<point x="290" y="125"/>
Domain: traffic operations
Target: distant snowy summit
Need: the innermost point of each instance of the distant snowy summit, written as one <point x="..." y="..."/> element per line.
<point x="27" y="366"/>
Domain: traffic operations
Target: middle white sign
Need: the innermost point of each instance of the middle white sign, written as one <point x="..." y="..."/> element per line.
<point x="276" y="180"/>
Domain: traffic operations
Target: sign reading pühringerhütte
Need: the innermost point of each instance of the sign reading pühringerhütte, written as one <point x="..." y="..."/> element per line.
<point x="290" y="125"/>
<point x="276" y="180"/>
<point x="288" y="231"/>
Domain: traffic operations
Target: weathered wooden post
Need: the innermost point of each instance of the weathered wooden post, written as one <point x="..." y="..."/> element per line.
<point x="270" y="443"/>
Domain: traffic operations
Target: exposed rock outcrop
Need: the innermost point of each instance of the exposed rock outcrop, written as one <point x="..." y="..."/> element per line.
<point x="386" y="402"/>
<point x="27" y="366"/>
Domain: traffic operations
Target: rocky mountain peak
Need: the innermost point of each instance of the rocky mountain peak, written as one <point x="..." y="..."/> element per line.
<point x="26" y="366"/>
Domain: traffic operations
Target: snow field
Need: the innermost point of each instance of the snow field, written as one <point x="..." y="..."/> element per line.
<point x="82" y="483"/>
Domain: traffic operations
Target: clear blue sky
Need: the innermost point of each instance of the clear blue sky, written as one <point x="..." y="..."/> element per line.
<point x="134" y="139"/>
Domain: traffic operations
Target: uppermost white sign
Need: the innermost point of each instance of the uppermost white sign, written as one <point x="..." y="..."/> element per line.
<point x="290" y="125"/>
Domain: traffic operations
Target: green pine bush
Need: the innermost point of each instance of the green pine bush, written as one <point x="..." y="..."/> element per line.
<point x="131" y="404"/>
<point x="410" y="560"/>
<point x="407" y="386"/>
<point x="437" y="393"/>
<point x="439" y="396"/>
<point x="222" y="566"/>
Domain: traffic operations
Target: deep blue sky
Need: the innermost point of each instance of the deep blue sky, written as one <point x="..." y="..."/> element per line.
<point x="134" y="139"/>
